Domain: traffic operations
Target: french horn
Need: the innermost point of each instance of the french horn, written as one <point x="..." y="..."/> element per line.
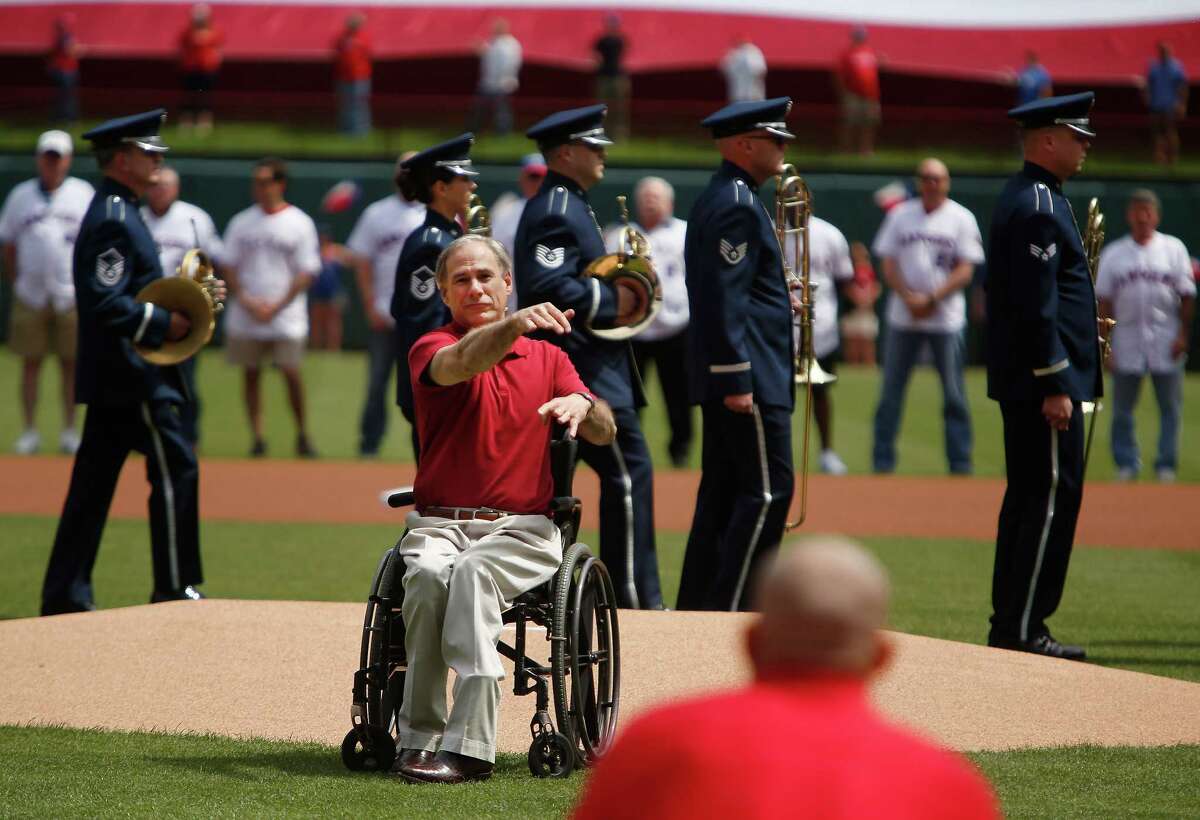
<point x="630" y="267"/>
<point x="190" y="292"/>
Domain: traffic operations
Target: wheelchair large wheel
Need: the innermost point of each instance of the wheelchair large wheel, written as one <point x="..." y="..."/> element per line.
<point x="382" y="655"/>
<point x="586" y="654"/>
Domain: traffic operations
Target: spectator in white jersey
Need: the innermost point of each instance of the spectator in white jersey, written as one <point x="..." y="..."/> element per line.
<point x="507" y="209"/>
<point x="499" y="64"/>
<point x="376" y="242"/>
<point x="38" y="225"/>
<point x="1145" y="282"/>
<point x="745" y="71"/>
<point x="929" y="247"/>
<point x="831" y="270"/>
<point x="178" y="227"/>
<point x="272" y="257"/>
<point x="664" y="341"/>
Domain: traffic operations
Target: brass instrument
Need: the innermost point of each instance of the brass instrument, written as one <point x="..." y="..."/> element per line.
<point x="1093" y="241"/>
<point x="190" y="292"/>
<point x="793" y="208"/>
<point x="479" y="222"/>
<point x="629" y="267"/>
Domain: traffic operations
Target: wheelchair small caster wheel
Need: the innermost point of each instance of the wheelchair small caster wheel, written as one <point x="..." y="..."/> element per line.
<point x="376" y="755"/>
<point x="551" y="755"/>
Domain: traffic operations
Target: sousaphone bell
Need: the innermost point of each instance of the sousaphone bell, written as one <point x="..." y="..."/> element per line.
<point x="190" y="292"/>
<point x="630" y="267"/>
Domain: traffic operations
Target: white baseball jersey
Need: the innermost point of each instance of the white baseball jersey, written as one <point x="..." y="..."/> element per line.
<point x="1145" y="284"/>
<point x="43" y="229"/>
<point x="269" y="251"/>
<point x="745" y="71"/>
<point x="379" y="236"/>
<point x="184" y="226"/>
<point x="828" y="264"/>
<point x="926" y="247"/>
<point x="666" y="252"/>
<point x="505" y="214"/>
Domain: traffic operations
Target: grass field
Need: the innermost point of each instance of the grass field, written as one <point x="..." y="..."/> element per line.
<point x="336" y="384"/>
<point x="217" y="777"/>
<point x="811" y="151"/>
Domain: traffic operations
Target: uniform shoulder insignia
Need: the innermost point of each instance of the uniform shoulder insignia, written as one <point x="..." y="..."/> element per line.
<point x="110" y="267"/>
<point x="550" y="258"/>
<point x="422" y="283"/>
<point x="1044" y="254"/>
<point x="732" y="254"/>
<point x="1041" y="192"/>
<point x="557" y="201"/>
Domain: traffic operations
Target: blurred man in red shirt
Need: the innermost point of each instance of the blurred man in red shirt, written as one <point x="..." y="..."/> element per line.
<point x="352" y="73"/>
<point x="856" y="77"/>
<point x="63" y="66"/>
<point x="199" y="61"/>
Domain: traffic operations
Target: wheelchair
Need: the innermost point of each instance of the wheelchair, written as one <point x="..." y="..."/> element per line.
<point x="577" y="608"/>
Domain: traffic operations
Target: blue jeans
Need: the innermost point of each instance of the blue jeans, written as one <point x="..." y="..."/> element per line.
<point x="354" y="107"/>
<point x="899" y="356"/>
<point x="381" y="357"/>
<point x="1168" y="390"/>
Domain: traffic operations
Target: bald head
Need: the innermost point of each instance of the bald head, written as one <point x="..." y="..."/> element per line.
<point x="823" y="603"/>
<point x="933" y="182"/>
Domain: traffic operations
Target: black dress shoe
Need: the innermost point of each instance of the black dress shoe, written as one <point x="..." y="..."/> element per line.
<point x="1043" y="645"/>
<point x="411" y="757"/>
<point x="66" y="607"/>
<point x="188" y="593"/>
<point x="448" y="767"/>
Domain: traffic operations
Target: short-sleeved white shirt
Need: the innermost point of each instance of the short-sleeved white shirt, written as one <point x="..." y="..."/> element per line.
<point x="745" y="71"/>
<point x="379" y="236"/>
<point x="1145" y="284"/>
<point x="269" y="251"/>
<point x="926" y="247"/>
<point x="666" y="252"/>
<point x="828" y="264"/>
<point x="43" y="229"/>
<point x="184" y="226"/>
<point x="505" y="215"/>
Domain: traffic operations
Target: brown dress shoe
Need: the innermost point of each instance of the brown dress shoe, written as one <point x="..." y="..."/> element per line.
<point x="448" y="767"/>
<point x="410" y="757"/>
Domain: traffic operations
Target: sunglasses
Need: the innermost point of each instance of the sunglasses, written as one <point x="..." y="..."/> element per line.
<point x="779" y="141"/>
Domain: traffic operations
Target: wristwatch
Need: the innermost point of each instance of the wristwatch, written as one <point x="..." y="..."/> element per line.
<point x="590" y="399"/>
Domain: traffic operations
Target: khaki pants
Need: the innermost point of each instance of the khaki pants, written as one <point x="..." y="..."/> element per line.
<point x="459" y="577"/>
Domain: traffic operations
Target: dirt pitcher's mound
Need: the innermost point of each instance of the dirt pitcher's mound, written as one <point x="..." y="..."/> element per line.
<point x="284" y="669"/>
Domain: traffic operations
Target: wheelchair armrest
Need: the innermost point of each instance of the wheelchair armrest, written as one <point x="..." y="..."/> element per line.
<point x="398" y="497"/>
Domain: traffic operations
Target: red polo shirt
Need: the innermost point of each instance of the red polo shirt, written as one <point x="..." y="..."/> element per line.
<point x="804" y="747"/>
<point x="482" y="441"/>
<point x="859" y="68"/>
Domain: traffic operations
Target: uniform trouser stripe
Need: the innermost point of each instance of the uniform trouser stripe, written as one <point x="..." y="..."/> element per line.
<point x="752" y="547"/>
<point x="627" y="506"/>
<point x="1041" y="552"/>
<point x="168" y="496"/>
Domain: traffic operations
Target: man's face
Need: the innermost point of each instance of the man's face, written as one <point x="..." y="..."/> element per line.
<point x="653" y="205"/>
<point x="764" y="153"/>
<point x="933" y="183"/>
<point x="474" y="287"/>
<point x="52" y="169"/>
<point x="1143" y="220"/>
<point x="142" y="167"/>
<point x="530" y="181"/>
<point x="586" y="163"/>
<point x="1070" y="150"/>
<point x="164" y="192"/>
<point x="266" y="190"/>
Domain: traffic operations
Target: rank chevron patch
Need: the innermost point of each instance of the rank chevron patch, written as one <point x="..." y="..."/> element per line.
<point x="1045" y="255"/>
<point x="732" y="255"/>
<point x="549" y="257"/>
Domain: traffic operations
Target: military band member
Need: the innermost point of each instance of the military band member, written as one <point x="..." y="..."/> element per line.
<point x="741" y="360"/>
<point x="1043" y="363"/>
<point x="557" y="238"/>
<point x="442" y="178"/>
<point x="132" y="404"/>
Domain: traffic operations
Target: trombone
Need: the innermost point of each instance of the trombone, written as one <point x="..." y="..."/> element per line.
<point x="1093" y="240"/>
<point x="793" y="208"/>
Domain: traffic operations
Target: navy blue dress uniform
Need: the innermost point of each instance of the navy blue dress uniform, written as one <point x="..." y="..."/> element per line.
<point x="739" y="341"/>
<point x="417" y="305"/>
<point x="1042" y="341"/>
<point x="557" y="237"/>
<point x="132" y="404"/>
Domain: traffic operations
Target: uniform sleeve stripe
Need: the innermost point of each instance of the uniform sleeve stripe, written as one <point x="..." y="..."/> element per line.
<point x="1052" y="369"/>
<point x="740" y="367"/>
<point x="146" y="316"/>
<point x="595" y="300"/>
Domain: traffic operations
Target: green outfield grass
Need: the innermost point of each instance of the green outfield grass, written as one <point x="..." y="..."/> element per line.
<point x="336" y="384"/>
<point x="1133" y="609"/>
<point x="76" y="773"/>
<point x="900" y="150"/>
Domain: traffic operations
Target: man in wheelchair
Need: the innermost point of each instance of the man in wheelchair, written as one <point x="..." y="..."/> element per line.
<point x="480" y="535"/>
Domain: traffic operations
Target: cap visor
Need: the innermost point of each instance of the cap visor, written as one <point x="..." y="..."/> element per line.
<point x="1079" y="129"/>
<point x="780" y="132"/>
<point x="151" y="145"/>
<point x="462" y="172"/>
<point x="597" y="140"/>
